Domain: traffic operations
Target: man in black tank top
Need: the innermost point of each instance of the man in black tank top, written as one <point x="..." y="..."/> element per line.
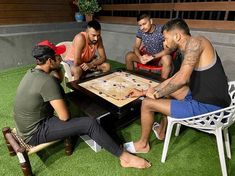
<point x="200" y="86"/>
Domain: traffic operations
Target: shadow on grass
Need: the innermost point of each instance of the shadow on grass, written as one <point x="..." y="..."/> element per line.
<point x="47" y="157"/>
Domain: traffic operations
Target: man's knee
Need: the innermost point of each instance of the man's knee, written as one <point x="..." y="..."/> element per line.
<point x="166" y="60"/>
<point x="146" y="104"/>
<point x="129" y="57"/>
<point x="105" y="67"/>
<point x="76" y="71"/>
<point x="92" y="123"/>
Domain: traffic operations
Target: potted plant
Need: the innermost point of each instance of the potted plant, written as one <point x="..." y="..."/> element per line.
<point x="87" y="7"/>
<point x="79" y="17"/>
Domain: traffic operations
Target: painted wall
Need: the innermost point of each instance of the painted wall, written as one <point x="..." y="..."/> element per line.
<point x="119" y="39"/>
<point x="17" y="41"/>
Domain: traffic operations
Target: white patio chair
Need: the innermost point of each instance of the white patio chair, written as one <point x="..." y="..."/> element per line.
<point x="67" y="70"/>
<point x="214" y="122"/>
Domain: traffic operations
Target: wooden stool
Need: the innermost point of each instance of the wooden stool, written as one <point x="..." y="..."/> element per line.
<point x="17" y="146"/>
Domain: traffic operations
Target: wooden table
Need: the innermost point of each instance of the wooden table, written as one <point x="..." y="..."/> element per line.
<point x="97" y="103"/>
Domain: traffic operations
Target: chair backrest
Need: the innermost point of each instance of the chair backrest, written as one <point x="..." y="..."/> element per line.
<point x="222" y="118"/>
<point x="231" y="90"/>
<point x="67" y="45"/>
<point x="67" y="70"/>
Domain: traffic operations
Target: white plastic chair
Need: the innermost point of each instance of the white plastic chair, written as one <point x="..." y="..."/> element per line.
<point x="214" y="122"/>
<point x="67" y="70"/>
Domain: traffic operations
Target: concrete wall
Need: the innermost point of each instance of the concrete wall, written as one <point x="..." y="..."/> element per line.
<point x="119" y="39"/>
<point x="17" y="41"/>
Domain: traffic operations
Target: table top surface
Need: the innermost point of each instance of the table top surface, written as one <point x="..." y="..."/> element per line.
<point x="97" y="107"/>
<point x="113" y="87"/>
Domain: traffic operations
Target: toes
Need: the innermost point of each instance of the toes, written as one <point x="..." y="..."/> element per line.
<point x="144" y="165"/>
<point x="147" y="164"/>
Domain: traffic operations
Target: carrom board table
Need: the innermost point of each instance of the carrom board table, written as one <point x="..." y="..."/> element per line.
<point x="105" y="96"/>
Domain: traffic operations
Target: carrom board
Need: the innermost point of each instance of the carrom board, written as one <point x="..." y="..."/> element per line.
<point x="116" y="86"/>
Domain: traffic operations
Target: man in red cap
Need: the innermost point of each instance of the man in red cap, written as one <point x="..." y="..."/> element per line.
<point x="39" y="94"/>
<point x="56" y="72"/>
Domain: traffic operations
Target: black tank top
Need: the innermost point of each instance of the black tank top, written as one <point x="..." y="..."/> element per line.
<point x="210" y="85"/>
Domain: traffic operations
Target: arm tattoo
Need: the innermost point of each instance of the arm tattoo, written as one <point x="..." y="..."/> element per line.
<point x="168" y="89"/>
<point x="163" y="84"/>
<point x="192" y="52"/>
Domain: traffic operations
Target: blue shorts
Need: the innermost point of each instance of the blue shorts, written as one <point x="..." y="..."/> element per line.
<point x="189" y="107"/>
<point x="69" y="62"/>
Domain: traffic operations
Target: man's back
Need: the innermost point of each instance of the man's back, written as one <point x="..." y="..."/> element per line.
<point x="32" y="101"/>
<point x="208" y="81"/>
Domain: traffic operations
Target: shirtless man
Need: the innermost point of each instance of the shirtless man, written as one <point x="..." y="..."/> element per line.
<point x="148" y="48"/>
<point x="200" y="86"/>
<point x="81" y="56"/>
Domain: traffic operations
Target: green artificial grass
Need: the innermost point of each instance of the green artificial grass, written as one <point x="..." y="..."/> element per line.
<point x="191" y="153"/>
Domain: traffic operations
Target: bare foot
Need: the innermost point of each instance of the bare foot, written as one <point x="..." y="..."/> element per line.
<point x="141" y="147"/>
<point x="129" y="160"/>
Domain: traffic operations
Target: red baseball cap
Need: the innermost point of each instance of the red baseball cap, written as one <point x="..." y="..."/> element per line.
<point x="58" y="49"/>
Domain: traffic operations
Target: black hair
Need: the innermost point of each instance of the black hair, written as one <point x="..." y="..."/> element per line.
<point x="42" y="54"/>
<point x="94" y="24"/>
<point x="141" y="16"/>
<point x="176" y="24"/>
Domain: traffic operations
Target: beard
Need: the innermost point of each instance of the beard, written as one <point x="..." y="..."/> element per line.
<point x="90" y="41"/>
<point x="144" y="30"/>
<point x="172" y="48"/>
<point x="147" y="30"/>
<point x="55" y="67"/>
<point x="94" y="41"/>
